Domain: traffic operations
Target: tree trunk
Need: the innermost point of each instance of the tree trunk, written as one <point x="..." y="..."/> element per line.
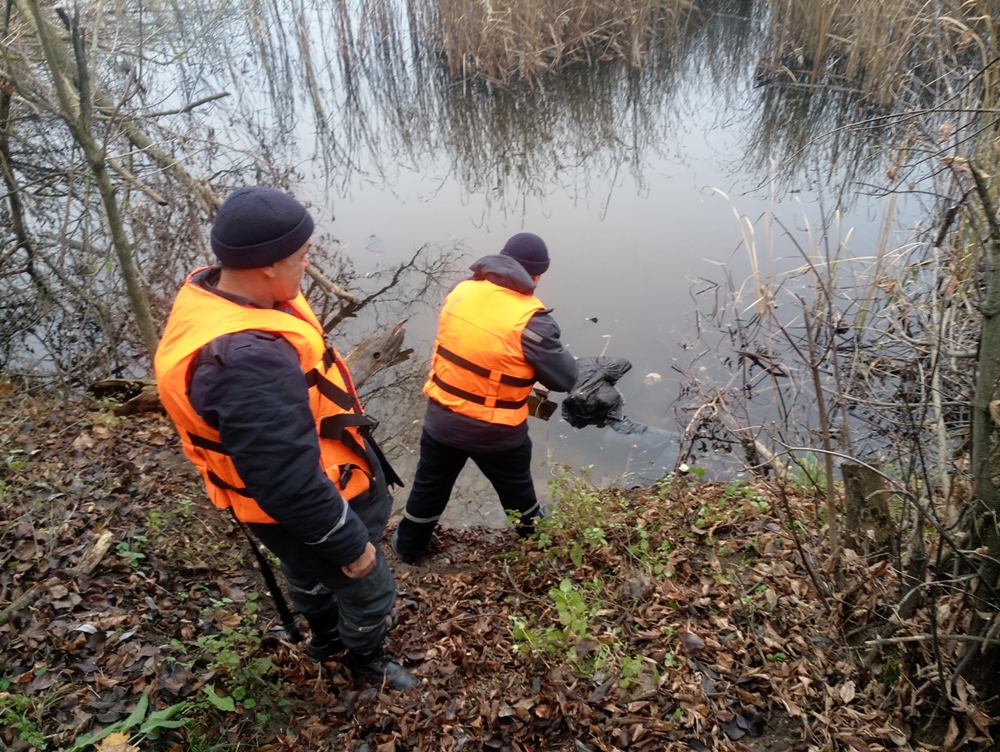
<point x="75" y="110"/>
<point x="868" y="527"/>
<point x="985" y="466"/>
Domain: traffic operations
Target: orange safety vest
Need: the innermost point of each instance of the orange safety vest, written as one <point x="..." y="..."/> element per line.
<point x="198" y="317"/>
<point x="478" y="368"/>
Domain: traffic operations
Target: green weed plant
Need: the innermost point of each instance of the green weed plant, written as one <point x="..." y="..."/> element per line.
<point x="243" y="674"/>
<point x="139" y="725"/>
<point x="589" y="536"/>
<point x="22" y="714"/>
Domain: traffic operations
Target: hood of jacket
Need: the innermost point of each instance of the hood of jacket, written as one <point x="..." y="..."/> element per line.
<point x="504" y="271"/>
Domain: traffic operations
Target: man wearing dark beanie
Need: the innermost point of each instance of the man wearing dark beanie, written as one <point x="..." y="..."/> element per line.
<point x="269" y="416"/>
<point x="495" y="340"/>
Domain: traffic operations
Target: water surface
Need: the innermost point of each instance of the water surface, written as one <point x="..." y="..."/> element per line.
<point x="635" y="179"/>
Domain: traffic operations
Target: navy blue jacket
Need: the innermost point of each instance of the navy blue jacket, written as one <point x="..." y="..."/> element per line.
<point x="555" y="368"/>
<point x="251" y="388"/>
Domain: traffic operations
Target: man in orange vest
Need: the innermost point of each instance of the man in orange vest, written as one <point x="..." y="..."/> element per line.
<point x="269" y="416"/>
<point x="495" y="340"/>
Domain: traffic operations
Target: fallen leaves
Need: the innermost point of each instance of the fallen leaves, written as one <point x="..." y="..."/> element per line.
<point x="116" y="742"/>
<point x="694" y="647"/>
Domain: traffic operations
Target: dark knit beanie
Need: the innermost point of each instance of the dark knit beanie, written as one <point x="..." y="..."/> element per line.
<point x="258" y="226"/>
<point x="530" y="251"/>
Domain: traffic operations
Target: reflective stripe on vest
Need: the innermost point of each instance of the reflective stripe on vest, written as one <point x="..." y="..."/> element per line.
<point x="478" y="367"/>
<point x="199" y="316"/>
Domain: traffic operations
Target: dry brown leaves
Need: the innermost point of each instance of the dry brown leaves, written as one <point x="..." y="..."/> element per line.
<point x="707" y="636"/>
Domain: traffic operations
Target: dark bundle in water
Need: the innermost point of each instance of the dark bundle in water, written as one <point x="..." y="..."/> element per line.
<point x="595" y="401"/>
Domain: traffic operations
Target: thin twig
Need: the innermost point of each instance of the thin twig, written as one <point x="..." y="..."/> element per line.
<point x="189" y="106"/>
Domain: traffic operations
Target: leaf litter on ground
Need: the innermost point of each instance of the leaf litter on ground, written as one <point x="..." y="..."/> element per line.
<point x="673" y="617"/>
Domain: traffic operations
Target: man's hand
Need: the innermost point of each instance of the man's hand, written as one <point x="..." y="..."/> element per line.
<point x="361" y="566"/>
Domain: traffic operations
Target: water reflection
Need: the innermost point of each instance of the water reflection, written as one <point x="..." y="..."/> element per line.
<point x="575" y="132"/>
<point x="341" y="102"/>
<point x="803" y="140"/>
<point x="350" y="87"/>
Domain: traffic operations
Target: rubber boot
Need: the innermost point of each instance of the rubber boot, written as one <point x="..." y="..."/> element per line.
<point x="526" y="525"/>
<point x="526" y="528"/>
<point x="406" y="556"/>
<point x="325" y="640"/>
<point x="378" y="667"/>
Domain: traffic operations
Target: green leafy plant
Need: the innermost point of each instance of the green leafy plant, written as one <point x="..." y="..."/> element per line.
<point x="155" y="520"/>
<point x="16" y="712"/>
<point x="595" y="536"/>
<point x="241" y="673"/>
<point x="807" y="474"/>
<point x="185" y="506"/>
<point x="579" y="504"/>
<point x="130" y="550"/>
<point x="524" y="638"/>
<point x="571" y="607"/>
<point x="227" y="648"/>
<point x="105" y="417"/>
<point x="629" y="670"/>
<point x="640" y="548"/>
<point x="664" y="486"/>
<point x="225" y="704"/>
<point x="574" y="616"/>
<point x="139" y="725"/>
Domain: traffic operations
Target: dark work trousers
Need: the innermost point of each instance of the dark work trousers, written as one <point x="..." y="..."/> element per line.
<point x="509" y="472"/>
<point x="329" y="599"/>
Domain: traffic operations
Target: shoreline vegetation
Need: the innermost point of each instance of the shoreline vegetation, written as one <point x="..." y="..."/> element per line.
<point x="877" y="48"/>
<point x="845" y="598"/>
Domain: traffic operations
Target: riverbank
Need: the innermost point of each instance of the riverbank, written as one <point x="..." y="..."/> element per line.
<point x="679" y="616"/>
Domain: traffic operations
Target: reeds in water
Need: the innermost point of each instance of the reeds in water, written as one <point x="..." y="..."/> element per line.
<point x="880" y="46"/>
<point x="507" y="40"/>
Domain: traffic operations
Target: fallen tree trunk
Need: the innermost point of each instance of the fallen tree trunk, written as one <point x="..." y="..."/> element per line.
<point x="367" y="358"/>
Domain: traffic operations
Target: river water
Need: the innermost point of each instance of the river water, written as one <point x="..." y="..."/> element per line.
<point x="637" y="181"/>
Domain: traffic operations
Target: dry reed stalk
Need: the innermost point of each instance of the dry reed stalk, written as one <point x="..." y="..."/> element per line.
<point x="882" y="45"/>
<point x="506" y="40"/>
<point x="309" y="77"/>
<point x="345" y="34"/>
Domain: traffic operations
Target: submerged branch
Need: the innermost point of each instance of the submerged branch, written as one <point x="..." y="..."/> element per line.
<point x="189" y="106"/>
<point x="329" y="285"/>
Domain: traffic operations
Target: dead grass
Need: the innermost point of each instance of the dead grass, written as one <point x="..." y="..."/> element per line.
<point x="877" y="46"/>
<point x="505" y="40"/>
<point x="880" y="46"/>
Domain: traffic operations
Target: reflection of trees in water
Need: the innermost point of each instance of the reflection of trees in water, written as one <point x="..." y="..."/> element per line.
<point x="64" y="310"/>
<point x="577" y="132"/>
<point x="353" y="82"/>
<point x="377" y="102"/>
<point x="355" y="79"/>
<point x="504" y="143"/>
<point x="384" y="297"/>
<point x="804" y="134"/>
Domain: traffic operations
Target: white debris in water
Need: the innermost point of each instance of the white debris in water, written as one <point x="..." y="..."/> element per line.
<point x="652" y="378"/>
